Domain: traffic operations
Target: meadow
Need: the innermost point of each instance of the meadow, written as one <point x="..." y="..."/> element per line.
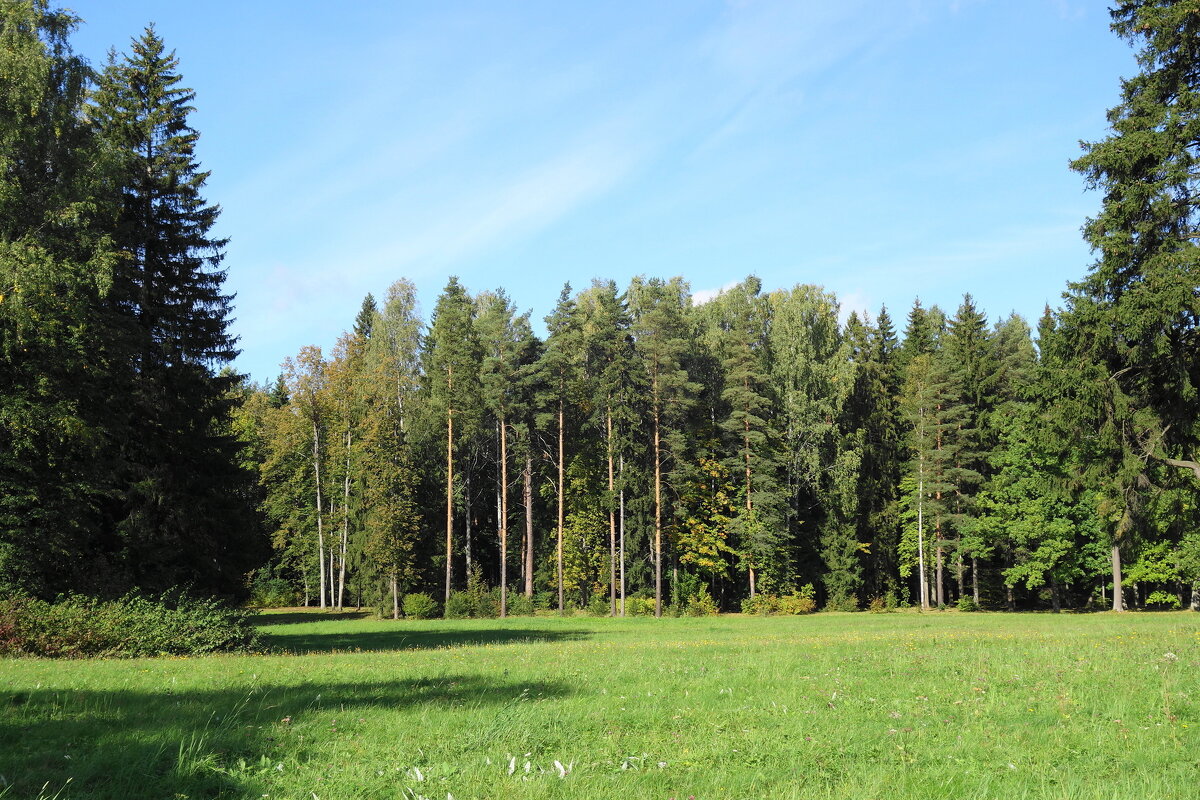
<point x="892" y="706"/>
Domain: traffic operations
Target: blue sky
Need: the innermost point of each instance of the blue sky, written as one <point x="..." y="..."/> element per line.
<point x="883" y="149"/>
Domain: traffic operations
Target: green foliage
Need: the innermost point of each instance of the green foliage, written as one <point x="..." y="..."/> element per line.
<point x="460" y="605"/>
<point x="700" y="604"/>
<point x="639" y="606"/>
<point x="133" y="626"/>
<point x="267" y="590"/>
<point x="598" y="606"/>
<point x="967" y="603"/>
<point x="519" y="605"/>
<point x="418" y="605"/>
<point x="802" y="601"/>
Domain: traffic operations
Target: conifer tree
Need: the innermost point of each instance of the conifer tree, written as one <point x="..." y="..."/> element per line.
<point x="168" y="291"/>
<point x="1133" y="320"/>
<point x="661" y="342"/>
<point x="507" y="342"/>
<point x="451" y="368"/>
<point x="559" y="375"/>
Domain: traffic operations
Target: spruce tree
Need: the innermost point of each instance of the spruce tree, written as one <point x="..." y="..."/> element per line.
<point x="179" y="515"/>
<point x="1134" y="321"/>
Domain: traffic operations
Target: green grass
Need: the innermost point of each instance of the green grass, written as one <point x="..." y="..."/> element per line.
<point x="826" y="706"/>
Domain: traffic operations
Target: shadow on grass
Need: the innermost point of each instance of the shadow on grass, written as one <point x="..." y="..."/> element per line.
<point x="206" y="744"/>
<point x="405" y="638"/>
<point x="268" y="618"/>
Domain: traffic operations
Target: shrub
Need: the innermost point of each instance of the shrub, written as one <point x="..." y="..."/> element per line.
<point x="842" y="602"/>
<point x="639" y="606"/>
<point x="519" y="605"/>
<point x="270" y="591"/>
<point x="1161" y="599"/>
<point x="878" y="605"/>
<point x="967" y="603"/>
<point x="459" y="605"/>
<point x="761" y="603"/>
<point x="172" y="624"/>
<point x="545" y="601"/>
<point x="801" y="601"/>
<point x="419" y="605"/>
<point x="701" y="604"/>
<point x="599" y="606"/>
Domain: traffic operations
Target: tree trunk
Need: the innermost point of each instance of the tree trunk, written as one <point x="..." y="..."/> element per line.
<point x="341" y="601"/>
<point x="612" y="517"/>
<point x="449" y="497"/>
<point x="527" y="493"/>
<point x="622" y="533"/>
<point x="975" y="579"/>
<point x="395" y="596"/>
<point x="503" y="519"/>
<point x="467" y="522"/>
<point x="961" y="569"/>
<point x="1055" y="602"/>
<point x="922" y="584"/>
<point x="657" y="518"/>
<point x="561" y="506"/>
<point x="1118" y="597"/>
<point x="320" y="510"/>
<point x="938" y="577"/>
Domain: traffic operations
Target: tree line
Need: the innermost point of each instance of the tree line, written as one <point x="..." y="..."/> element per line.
<point x="646" y="446"/>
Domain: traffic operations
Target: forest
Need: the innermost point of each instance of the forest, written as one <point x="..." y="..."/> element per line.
<point x="640" y="452"/>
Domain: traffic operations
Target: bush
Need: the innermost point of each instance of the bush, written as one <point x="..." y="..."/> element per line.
<point x="599" y="606"/>
<point x="545" y="601"/>
<point x="967" y="603"/>
<point x="133" y="626"/>
<point x="1161" y="599"/>
<point x="762" y="603"/>
<point x="519" y="605"/>
<point x="460" y="605"/>
<point x="877" y="606"/>
<point x="270" y="591"/>
<point x="801" y="601"/>
<point x="639" y="606"/>
<point x="842" y="602"/>
<point x="419" y="605"/>
<point x="701" y="604"/>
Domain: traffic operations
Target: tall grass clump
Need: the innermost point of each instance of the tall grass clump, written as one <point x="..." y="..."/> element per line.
<point x="135" y="625"/>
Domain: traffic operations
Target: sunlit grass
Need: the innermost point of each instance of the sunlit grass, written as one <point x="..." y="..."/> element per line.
<point x="825" y="706"/>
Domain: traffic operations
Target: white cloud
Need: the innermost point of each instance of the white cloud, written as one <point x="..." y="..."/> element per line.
<point x="704" y="295"/>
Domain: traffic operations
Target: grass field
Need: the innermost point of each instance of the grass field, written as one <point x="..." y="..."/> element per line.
<point x="891" y="706"/>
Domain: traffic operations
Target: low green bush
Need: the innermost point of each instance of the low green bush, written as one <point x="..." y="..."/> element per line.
<point x="459" y="605"/>
<point x="701" y="604"/>
<point x="639" y="606"/>
<point x="133" y="626"/>
<point x="761" y="603"/>
<point x="841" y="602"/>
<point x="419" y="605"/>
<point x="599" y="606"/>
<point x="801" y="601"/>
<point x="519" y="605"/>
<point x="967" y="603"/>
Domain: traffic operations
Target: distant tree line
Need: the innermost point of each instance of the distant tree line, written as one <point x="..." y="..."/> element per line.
<point x="647" y="446"/>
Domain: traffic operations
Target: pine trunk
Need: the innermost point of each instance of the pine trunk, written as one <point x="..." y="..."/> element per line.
<point x="612" y="517"/>
<point x="622" y="533"/>
<point x="449" y="493"/>
<point x="657" y="519"/>
<point x="527" y="493"/>
<point x="503" y="519"/>
<point x="561" y="506"/>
